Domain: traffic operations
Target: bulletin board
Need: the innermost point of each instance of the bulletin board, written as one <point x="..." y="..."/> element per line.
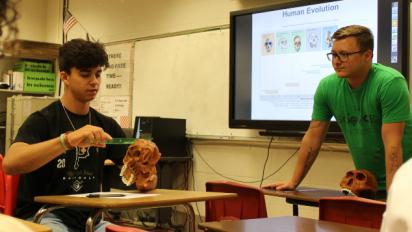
<point x="185" y="76"/>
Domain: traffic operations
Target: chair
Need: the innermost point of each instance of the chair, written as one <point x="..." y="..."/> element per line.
<point x="249" y="204"/>
<point x="8" y="190"/>
<point x="2" y="186"/>
<point x="352" y="210"/>
<point x="116" y="228"/>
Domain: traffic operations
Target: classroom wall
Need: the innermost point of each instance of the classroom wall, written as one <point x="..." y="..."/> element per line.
<point x="39" y="20"/>
<point x="128" y="19"/>
<point x="240" y="157"/>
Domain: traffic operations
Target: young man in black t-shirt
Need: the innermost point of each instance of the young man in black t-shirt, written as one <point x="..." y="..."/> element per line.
<point x="61" y="148"/>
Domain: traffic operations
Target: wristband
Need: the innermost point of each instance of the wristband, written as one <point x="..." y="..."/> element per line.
<point x="66" y="140"/>
<point x="62" y="142"/>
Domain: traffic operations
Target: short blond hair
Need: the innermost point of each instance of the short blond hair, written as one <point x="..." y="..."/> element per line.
<point x="362" y="34"/>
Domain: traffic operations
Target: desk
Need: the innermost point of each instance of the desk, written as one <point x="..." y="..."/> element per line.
<point x="165" y="198"/>
<point x="9" y="223"/>
<point x="281" y="224"/>
<point x="303" y="196"/>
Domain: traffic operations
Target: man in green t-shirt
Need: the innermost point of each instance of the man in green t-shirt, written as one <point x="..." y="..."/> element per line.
<point x="371" y="105"/>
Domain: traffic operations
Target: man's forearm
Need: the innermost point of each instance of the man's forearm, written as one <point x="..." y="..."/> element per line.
<point x="393" y="161"/>
<point x="307" y="156"/>
<point x="309" y="150"/>
<point x="392" y="134"/>
<point x="23" y="158"/>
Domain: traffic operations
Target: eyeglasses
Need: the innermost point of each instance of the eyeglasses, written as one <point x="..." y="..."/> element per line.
<point x="342" y="56"/>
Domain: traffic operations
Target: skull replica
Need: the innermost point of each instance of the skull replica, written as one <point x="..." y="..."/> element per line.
<point x="361" y="183"/>
<point x="139" y="165"/>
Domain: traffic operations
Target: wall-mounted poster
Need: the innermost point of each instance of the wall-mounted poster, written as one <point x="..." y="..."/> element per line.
<point x="115" y="88"/>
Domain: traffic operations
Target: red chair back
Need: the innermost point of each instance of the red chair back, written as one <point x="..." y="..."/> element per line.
<point x="249" y="203"/>
<point x="8" y="190"/>
<point x="116" y="228"/>
<point x="2" y="187"/>
<point x="352" y="210"/>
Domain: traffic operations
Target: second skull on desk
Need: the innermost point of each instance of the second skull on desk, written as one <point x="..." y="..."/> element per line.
<point x="361" y="183"/>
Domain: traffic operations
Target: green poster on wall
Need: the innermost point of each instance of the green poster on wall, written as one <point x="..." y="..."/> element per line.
<point x="39" y="82"/>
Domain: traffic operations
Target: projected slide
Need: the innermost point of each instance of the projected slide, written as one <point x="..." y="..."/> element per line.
<point x="289" y="49"/>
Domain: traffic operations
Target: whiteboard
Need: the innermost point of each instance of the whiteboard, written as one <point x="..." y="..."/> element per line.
<point x="186" y="76"/>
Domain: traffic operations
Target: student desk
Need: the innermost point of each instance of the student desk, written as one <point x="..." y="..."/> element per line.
<point x="164" y="198"/>
<point x="281" y="224"/>
<point x="303" y="196"/>
<point x="16" y="224"/>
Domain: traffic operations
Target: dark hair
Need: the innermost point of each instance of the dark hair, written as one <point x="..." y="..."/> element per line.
<point x="80" y="53"/>
<point x="362" y="34"/>
<point x="8" y="17"/>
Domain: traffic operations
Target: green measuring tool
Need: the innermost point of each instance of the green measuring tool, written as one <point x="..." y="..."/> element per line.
<point x="121" y="141"/>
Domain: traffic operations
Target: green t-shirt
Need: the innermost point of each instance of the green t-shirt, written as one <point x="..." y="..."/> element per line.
<point x="360" y="113"/>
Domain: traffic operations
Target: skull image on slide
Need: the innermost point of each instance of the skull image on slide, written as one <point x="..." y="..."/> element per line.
<point x="139" y="165"/>
<point x="361" y="183"/>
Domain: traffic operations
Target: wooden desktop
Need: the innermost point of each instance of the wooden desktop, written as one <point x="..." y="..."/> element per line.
<point x="9" y="223"/>
<point x="164" y="198"/>
<point x="307" y="196"/>
<point x="281" y="224"/>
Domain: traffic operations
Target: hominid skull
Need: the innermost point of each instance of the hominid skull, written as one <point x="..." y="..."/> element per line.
<point x="362" y="183"/>
<point x="139" y="165"/>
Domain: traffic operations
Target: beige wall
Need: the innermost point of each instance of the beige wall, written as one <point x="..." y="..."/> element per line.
<point x="39" y="20"/>
<point x="126" y="19"/>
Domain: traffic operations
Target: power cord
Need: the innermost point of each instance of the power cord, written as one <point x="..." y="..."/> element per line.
<point x="266" y="161"/>
<point x="281" y="166"/>
<point x="194" y="189"/>
<point x="241" y="181"/>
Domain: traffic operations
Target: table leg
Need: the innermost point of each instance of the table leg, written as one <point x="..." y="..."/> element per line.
<point x="295" y="203"/>
<point x="295" y="210"/>
<point x="191" y="215"/>
<point x="42" y="211"/>
<point x="90" y="221"/>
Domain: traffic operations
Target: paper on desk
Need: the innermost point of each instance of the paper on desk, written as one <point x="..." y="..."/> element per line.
<point x="125" y="195"/>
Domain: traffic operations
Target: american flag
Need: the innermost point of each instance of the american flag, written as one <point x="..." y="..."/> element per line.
<point x="69" y="21"/>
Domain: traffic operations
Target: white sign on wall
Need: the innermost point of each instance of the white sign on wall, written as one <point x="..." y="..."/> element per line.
<point x="116" y="107"/>
<point x="115" y="87"/>
<point x="116" y="78"/>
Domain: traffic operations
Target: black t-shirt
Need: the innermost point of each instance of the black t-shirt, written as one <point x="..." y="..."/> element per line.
<point x="70" y="173"/>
